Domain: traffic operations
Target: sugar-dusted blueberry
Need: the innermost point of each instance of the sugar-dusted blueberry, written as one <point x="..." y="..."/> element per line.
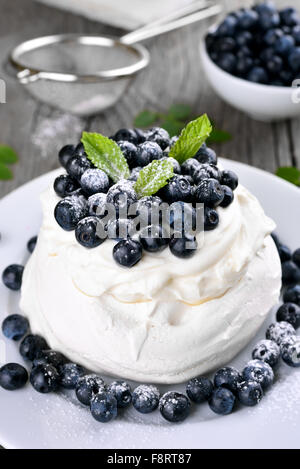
<point x="15" y="326"/>
<point x="228" y="377"/>
<point x="104" y="407"/>
<point x="174" y="406"/>
<point x="87" y="387"/>
<point x="190" y="166"/>
<point x="178" y="189"/>
<point x="70" y="373"/>
<point x="228" y="197"/>
<point x="126" y="135"/>
<point x="13" y="376"/>
<point x="296" y="257"/>
<point x="183" y="245"/>
<point x="289" y="312"/>
<point x="206" y="155"/>
<point x="135" y="173"/>
<point x="159" y="136"/>
<point x="65" y="185"/>
<point x="222" y="401"/>
<point x="185" y="218"/>
<point x="290" y="273"/>
<point x="90" y="232"/>
<point x="12" y="276"/>
<point x="227" y="62"/>
<point x="31" y="244"/>
<point x="211" y="219"/>
<point x="199" y="389"/>
<point x="93" y="181"/>
<point x="77" y="165"/>
<point x="148" y="152"/>
<point x="122" y="195"/>
<point x="121" y="391"/>
<point x="258" y="75"/>
<point x="69" y="211"/>
<point x="148" y="210"/>
<point x="65" y="154"/>
<point x="292" y="295"/>
<point x="228" y="26"/>
<point x="97" y="205"/>
<point x="267" y="351"/>
<point x="248" y="19"/>
<point x="49" y="357"/>
<point x="209" y="192"/>
<point x="230" y="179"/>
<point x="129" y="151"/>
<point x="153" y="238"/>
<point x="260" y="371"/>
<point x="127" y="252"/>
<point x="119" y="229"/>
<point x="44" y="378"/>
<point x="279" y="330"/>
<point x="290" y="351"/>
<point x="31" y="345"/>
<point x="175" y="164"/>
<point x="206" y="171"/>
<point x="145" y="398"/>
<point x="250" y="393"/>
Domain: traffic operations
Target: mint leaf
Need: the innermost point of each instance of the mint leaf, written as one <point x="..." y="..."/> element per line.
<point x="8" y="155"/>
<point x="153" y="177"/>
<point x="219" y="136"/>
<point x="191" y="139"/>
<point x="145" y="119"/>
<point x="290" y="174"/>
<point x="174" y="127"/>
<point x="5" y="172"/>
<point x="180" y="111"/>
<point x="105" y="154"/>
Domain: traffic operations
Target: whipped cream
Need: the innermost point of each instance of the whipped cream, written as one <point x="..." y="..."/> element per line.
<point x="166" y="319"/>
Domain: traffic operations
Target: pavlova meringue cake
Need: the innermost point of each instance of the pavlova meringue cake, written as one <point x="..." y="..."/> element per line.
<point x="167" y="318"/>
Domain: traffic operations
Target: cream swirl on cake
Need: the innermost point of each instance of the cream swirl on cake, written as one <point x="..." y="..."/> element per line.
<point x="166" y="319"/>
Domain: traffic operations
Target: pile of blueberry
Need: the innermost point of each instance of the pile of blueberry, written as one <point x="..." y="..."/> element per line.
<point x="85" y="191"/>
<point x="260" y="44"/>
<point x="51" y="371"/>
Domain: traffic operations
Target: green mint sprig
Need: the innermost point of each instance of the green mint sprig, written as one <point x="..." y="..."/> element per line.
<point x="290" y="174"/>
<point x="153" y="177"/>
<point x="8" y="156"/>
<point x="105" y="154"/>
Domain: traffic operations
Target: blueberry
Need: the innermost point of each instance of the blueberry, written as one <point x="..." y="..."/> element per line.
<point x="190" y="166"/>
<point x="227" y="62"/>
<point x="209" y="192"/>
<point x="96" y="205"/>
<point x="294" y="59"/>
<point x="268" y="15"/>
<point x="184" y="217"/>
<point x="15" y="326"/>
<point x="289" y="312"/>
<point x="292" y="295"/>
<point x="94" y="181"/>
<point x="174" y="406"/>
<point x="227" y="377"/>
<point x="65" y="185"/>
<point x="290" y="273"/>
<point x="13" y="376"/>
<point x="127" y="135"/>
<point x="284" y="252"/>
<point x="275" y="64"/>
<point x="31" y="345"/>
<point x="226" y="44"/>
<point x="65" y="154"/>
<point x="148" y="210"/>
<point x="79" y="150"/>
<point x="49" y="357"/>
<point x="279" y="330"/>
<point x="267" y="54"/>
<point x="141" y="135"/>
<point x="228" y="26"/>
<point x="145" y="398"/>
<point x="199" y="389"/>
<point x="211" y="219"/>
<point x="260" y="371"/>
<point x="44" y="378"/>
<point x="244" y="64"/>
<point x="87" y="387"/>
<point x="222" y="401"/>
<point x="258" y="75"/>
<point x="122" y="393"/>
<point x="286" y="76"/>
<point x="121" y="228"/>
<point x="267" y="351"/>
<point x="129" y="150"/>
<point x="90" y="232"/>
<point x="69" y="211"/>
<point x="206" y="171"/>
<point x="230" y="179"/>
<point x="176" y="165"/>
<point x="296" y="257"/>
<point x="147" y="152"/>
<point x="70" y="373"/>
<point x="248" y="19"/>
<point x="135" y="173"/>
<point x="77" y="165"/>
<point x="178" y="189"/>
<point x="12" y="276"/>
<point x="272" y="35"/>
<point x="228" y="197"/>
<point x="290" y="351"/>
<point x="250" y="393"/>
<point x="244" y="38"/>
<point x="296" y="34"/>
<point x="289" y="17"/>
<point x="121" y="195"/>
<point x="127" y="252"/>
<point x="184" y="246"/>
<point x="104" y="407"/>
<point x="159" y="136"/>
<point x="284" y="45"/>
<point x="206" y="155"/>
<point x="153" y="238"/>
<point x="31" y="244"/>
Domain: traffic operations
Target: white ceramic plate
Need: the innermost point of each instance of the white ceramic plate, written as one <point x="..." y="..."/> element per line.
<point x="32" y="420"/>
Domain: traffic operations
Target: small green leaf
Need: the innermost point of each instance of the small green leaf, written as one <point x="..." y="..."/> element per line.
<point x="290" y="174"/>
<point x="5" y="172"/>
<point x="191" y="139"/>
<point x="153" y="177"/>
<point x="105" y="154"/>
<point x="219" y="136"/>
<point x="8" y="155"/>
<point x="145" y="119"/>
<point x="174" y="127"/>
<point x="180" y="111"/>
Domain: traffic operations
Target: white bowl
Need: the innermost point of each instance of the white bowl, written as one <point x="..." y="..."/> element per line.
<point x="262" y="102"/>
